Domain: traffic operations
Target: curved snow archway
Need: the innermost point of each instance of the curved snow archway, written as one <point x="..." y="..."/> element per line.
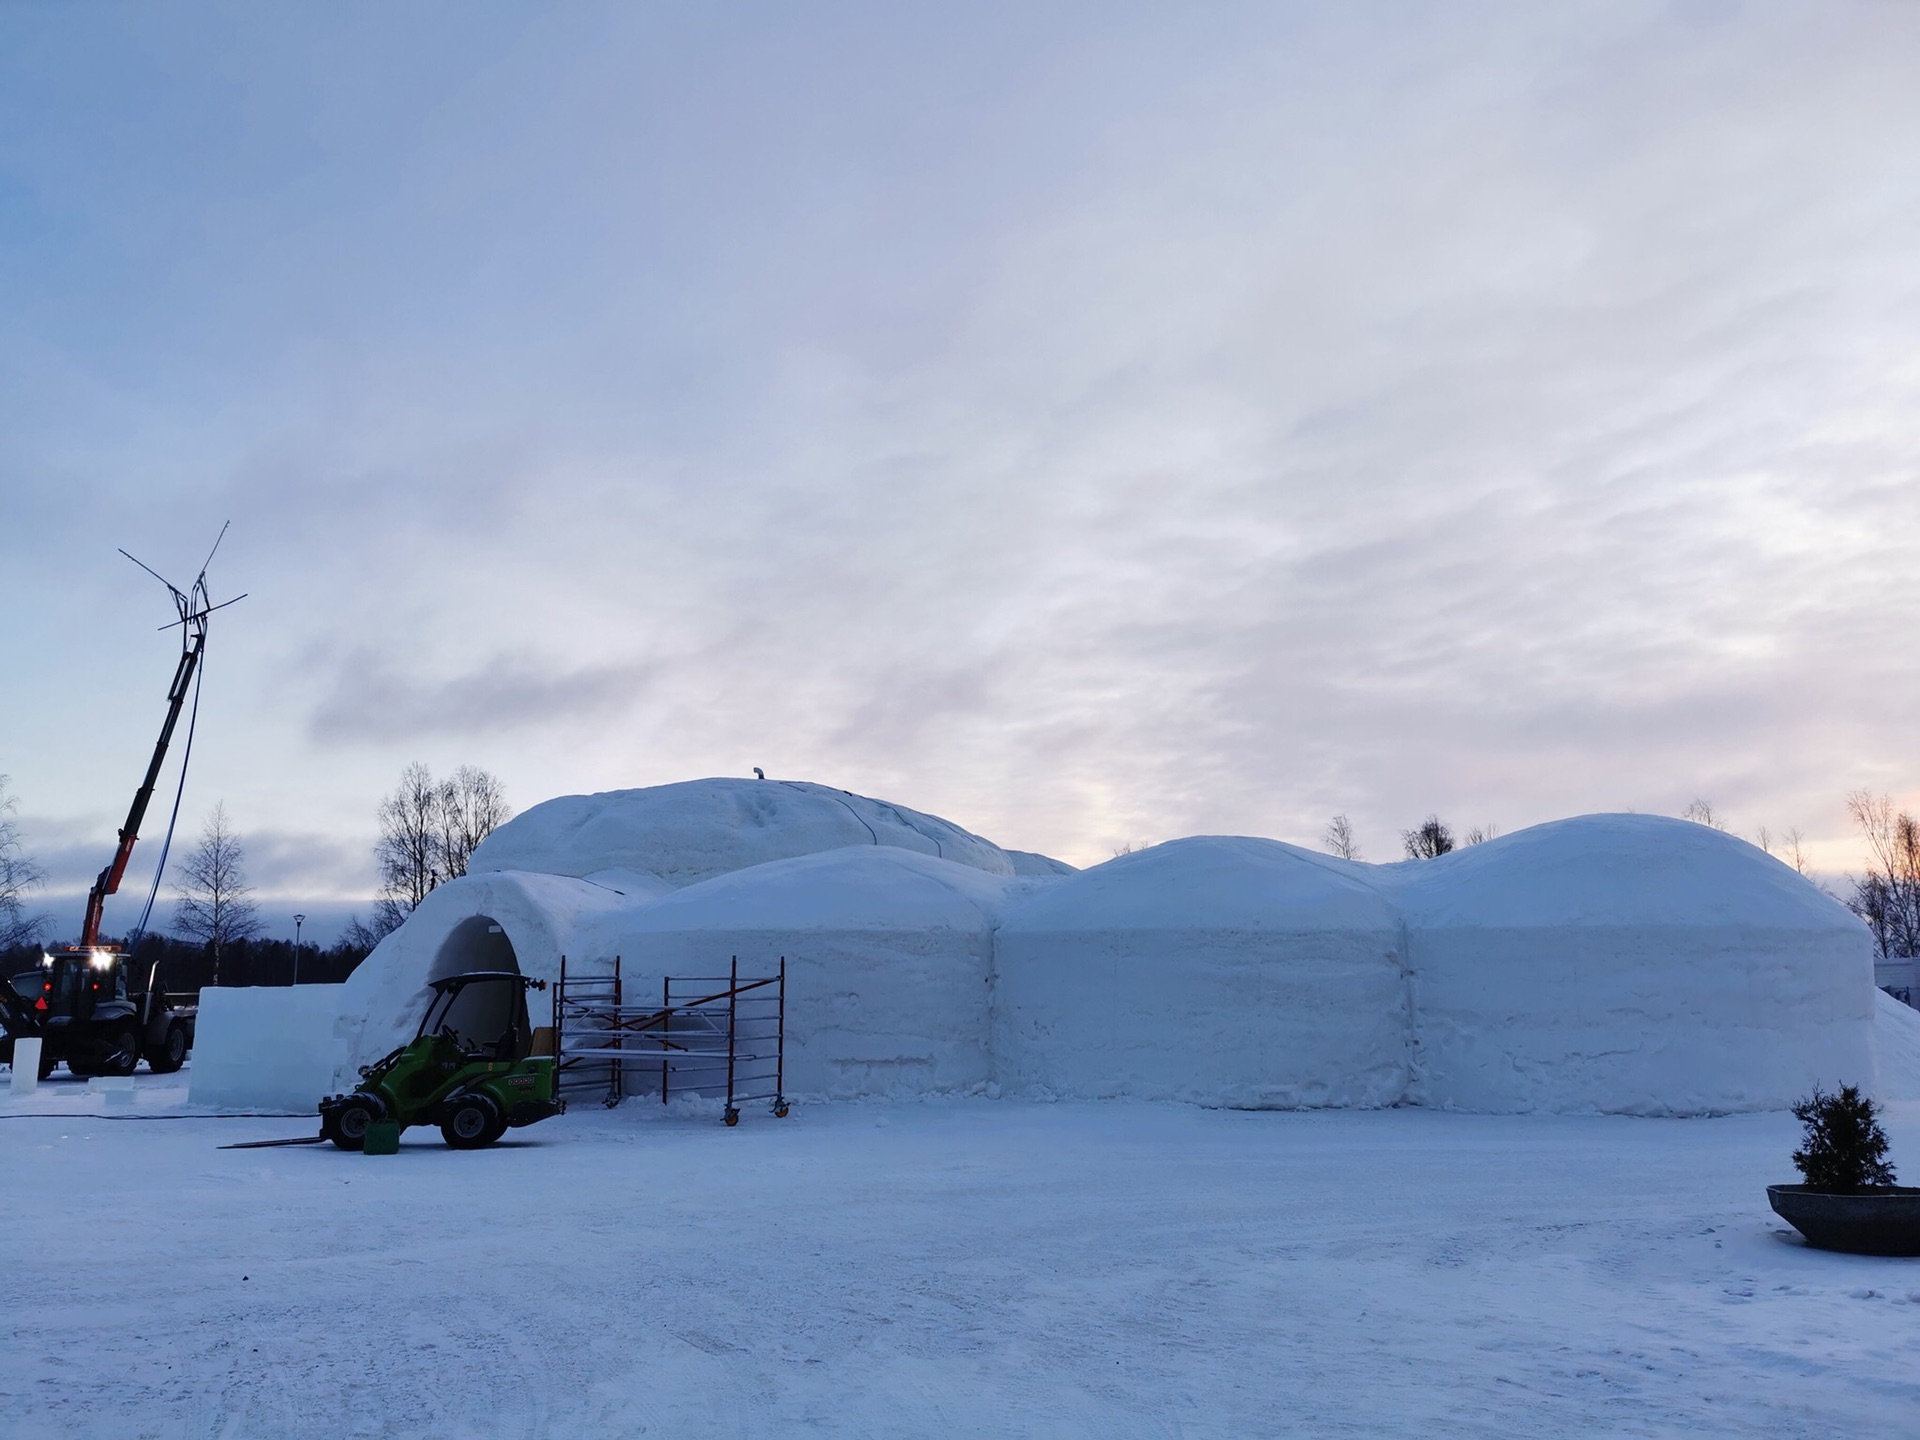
<point x="539" y="919"/>
<point x="477" y="943"/>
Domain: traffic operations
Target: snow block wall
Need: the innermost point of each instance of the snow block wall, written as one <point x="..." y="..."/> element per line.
<point x="1633" y="964"/>
<point x="1606" y="963"/>
<point x="889" y="958"/>
<point x="265" y="1047"/>
<point x="1225" y="970"/>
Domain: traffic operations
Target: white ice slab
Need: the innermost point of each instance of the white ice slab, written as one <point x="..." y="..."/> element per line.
<point x="265" y="1047"/>
<point x="26" y="1066"/>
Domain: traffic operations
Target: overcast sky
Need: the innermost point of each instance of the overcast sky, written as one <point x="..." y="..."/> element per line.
<point x="1092" y="423"/>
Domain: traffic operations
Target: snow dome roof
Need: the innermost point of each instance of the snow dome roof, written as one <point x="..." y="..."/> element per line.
<point x="1210" y="882"/>
<point x="863" y="887"/>
<point x="699" y="829"/>
<point x="1612" y="870"/>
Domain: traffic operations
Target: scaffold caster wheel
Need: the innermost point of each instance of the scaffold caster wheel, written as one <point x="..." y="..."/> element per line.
<point x="733" y="1116"/>
<point x="780" y="1111"/>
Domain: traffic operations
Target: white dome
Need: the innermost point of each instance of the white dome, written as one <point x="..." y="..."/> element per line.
<point x="695" y="830"/>
<point x="1211" y="882"/>
<point x="1613" y="870"/>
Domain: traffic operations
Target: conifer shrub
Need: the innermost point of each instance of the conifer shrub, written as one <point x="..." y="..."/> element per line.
<point x="1844" y="1149"/>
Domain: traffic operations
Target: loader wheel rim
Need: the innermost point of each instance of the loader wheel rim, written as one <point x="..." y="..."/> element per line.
<point x="469" y="1122"/>
<point x="354" y="1121"/>
<point x="176" y="1044"/>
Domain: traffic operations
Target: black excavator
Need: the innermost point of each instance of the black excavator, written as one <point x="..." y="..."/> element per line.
<point x="94" y="1007"/>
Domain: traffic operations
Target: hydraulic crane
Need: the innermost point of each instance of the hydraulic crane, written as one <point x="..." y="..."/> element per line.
<point x="194" y="610"/>
<point x="90" y="1012"/>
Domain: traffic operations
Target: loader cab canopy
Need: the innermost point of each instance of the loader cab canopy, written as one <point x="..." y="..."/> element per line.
<point x="75" y="980"/>
<point x="484" y="1013"/>
<point x="64" y="979"/>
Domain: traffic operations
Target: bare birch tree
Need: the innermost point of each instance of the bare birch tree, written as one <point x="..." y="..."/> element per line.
<point x="1888" y="896"/>
<point x="1338" y="838"/>
<point x="1794" y="850"/>
<point x="213" y="904"/>
<point x="19" y="877"/>
<point x="1703" y="813"/>
<point x="429" y="830"/>
<point x="409" y="845"/>
<point x="473" y="804"/>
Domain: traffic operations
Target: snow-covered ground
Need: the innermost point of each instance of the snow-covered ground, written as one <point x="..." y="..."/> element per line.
<point x="937" y="1268"/>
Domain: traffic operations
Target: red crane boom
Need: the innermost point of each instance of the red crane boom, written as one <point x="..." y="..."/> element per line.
<point x="194" y="610"/>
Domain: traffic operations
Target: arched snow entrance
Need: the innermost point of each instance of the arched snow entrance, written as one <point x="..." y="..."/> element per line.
<point x="477" y="943"/>
<point x="502" y="921"/>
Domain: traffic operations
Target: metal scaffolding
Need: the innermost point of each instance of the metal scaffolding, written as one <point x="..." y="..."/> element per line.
<point x="709" y="1034"/>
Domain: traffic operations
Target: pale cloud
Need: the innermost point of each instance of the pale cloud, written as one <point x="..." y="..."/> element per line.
<point x="1095" y="425"/>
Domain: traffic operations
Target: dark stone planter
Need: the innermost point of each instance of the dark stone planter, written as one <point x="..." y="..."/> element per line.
<point x="1883" y="1221"/>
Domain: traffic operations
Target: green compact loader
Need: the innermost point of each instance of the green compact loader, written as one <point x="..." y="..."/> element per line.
<point x="475" y="1069"/>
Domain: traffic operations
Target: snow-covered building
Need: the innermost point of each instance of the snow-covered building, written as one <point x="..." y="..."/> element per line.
<point x="889" y="956"/>
<point x="1629" y="963"/>
<point x="1604" y="963"/>
<point x="1226" y="970"/>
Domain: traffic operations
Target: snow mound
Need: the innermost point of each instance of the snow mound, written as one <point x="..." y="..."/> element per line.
<point x="1631" y="964"/>
<point x="1613" y="871"/>
<point x="1224" y="970"/>
<point x="1896" y="1041"/>
<point x="698" y="829"/>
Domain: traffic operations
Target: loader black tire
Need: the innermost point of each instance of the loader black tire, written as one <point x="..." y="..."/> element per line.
<point x="171" y="1053"/>
<point x="123" y="1058"/>
<point x="347" y="1126"/>
<point x="473" y="1122"/>
<point x="47" y="1062"/>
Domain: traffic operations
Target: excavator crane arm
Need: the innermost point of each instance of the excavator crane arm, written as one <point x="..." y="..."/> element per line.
<point x="109" y="879"/>
<point x="194" y="608"/>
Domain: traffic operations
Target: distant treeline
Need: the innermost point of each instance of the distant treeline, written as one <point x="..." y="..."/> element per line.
<point x="187" y="965"/>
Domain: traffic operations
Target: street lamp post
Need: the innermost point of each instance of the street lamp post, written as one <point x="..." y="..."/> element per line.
<point x="298" y="921"/>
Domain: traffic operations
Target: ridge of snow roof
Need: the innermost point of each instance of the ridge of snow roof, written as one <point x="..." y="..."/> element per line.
<point x="1612" y="870"/>
<point x="693" y="830"/>
<point x="856" y="887"/>
<point x="1210" y="882"/>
